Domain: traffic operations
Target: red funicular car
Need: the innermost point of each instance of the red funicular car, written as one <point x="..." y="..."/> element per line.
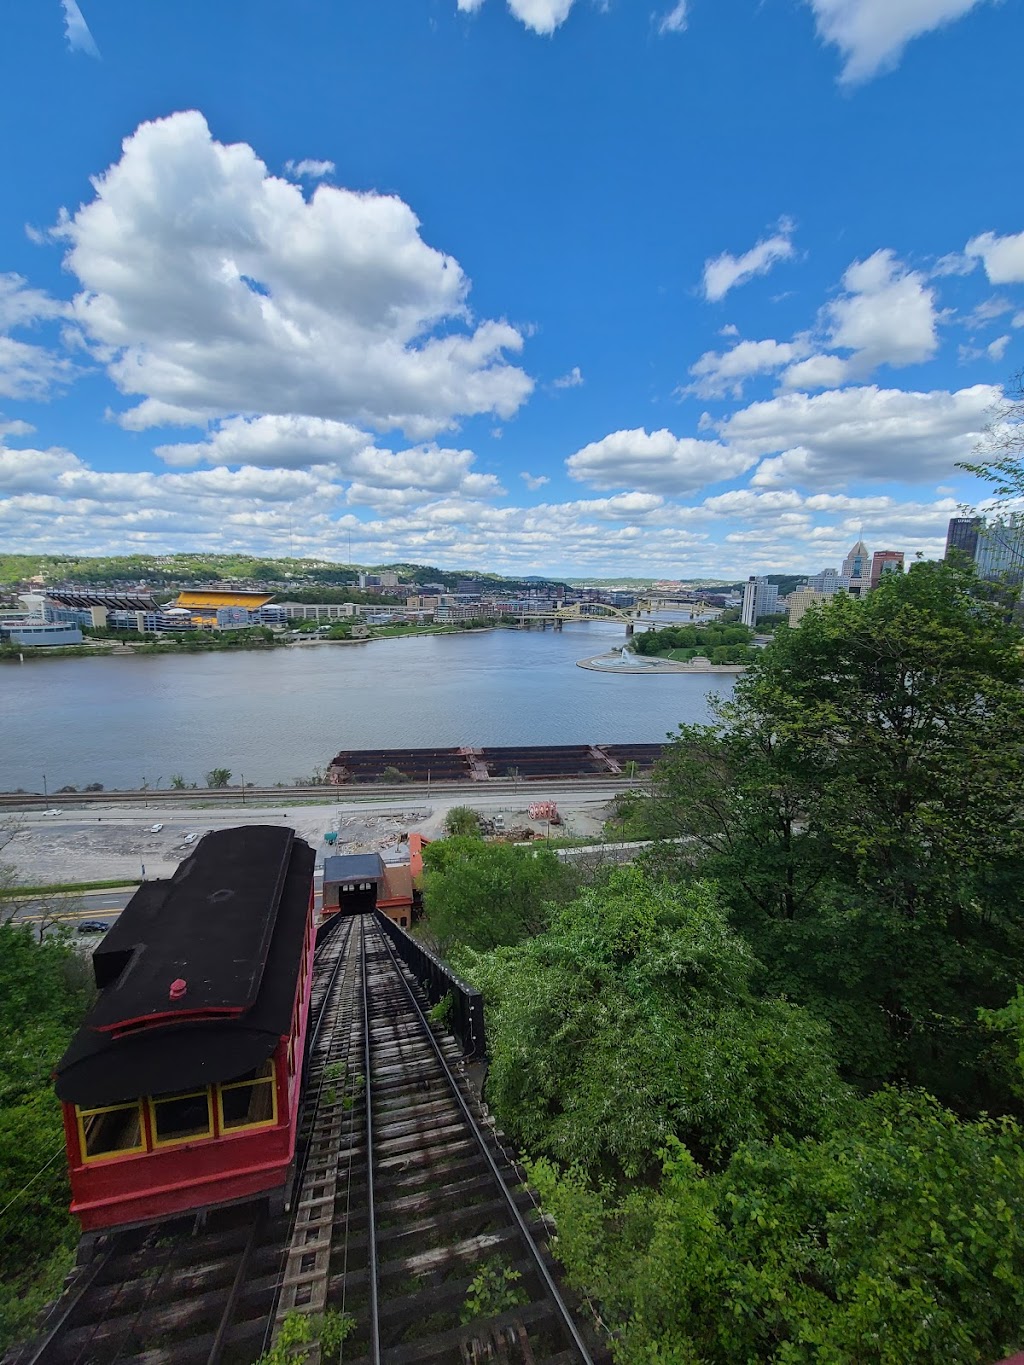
<point x="181" y="1088"/>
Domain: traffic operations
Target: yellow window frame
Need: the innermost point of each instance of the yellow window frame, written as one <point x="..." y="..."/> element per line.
<point x="270" y="1080"/>
<point x="83" y="1114"/>
<point x="152" y="1102"/>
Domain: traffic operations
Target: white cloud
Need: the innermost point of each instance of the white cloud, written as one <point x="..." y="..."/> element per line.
<point x="572" y="380"/>
<point x="279" y="442"/>
<point x="987" y="312"/>
<point x="338" y="452"/>
<point x="54" y="501"/>
<point x="15" y="427"/>
<point x="850" y="435"/>
<point x="871" y="34"/>
<point x="534" y="481"/>
<point x="887" y="316"/>
<point x="542" y="16"/>
<point x="20" y="304"/>
<point x="76" y="30"/>
<point x="656" y="462"/>
<point x="1003" y="257"/>
<point x="30" y="372"/>
<point x="719" y="373"/>
<point x="997" y="349"/>
<point x="675" y="20"/>
<point x="259" y="301"/>
<point x="725" y="272"/>
<point x="314" y="170"/>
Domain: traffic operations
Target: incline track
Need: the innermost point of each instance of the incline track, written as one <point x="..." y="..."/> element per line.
<point x="402" y="1202"/>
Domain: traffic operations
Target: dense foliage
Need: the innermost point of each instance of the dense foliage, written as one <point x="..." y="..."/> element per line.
<point x="632" y="1019"/>
<point x="894" y="1240"/>
<point x="486" y="895"/>
<point x="44" y="990"/>
<point x="859" y="805"/>
<point x="720" y="1059"/>
<point x="722" y="644"/>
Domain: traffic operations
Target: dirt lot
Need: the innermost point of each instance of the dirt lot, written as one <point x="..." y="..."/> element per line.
<point x="100" y="844"/>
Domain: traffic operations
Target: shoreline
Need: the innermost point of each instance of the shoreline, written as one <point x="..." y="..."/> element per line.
<point x="32" y="653"/>
<point x="612" y="663"/>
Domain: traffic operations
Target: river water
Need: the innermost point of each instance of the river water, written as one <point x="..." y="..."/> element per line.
<point x="277" y="715"/>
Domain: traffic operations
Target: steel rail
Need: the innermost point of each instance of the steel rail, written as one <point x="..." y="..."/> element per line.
<point x="64" y="1307"/>
<point x="545" y="1275"/>
<point x="372" y="1266"/>
<point x="217" y="1349"/>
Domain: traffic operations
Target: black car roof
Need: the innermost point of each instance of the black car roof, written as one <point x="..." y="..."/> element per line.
<point x="230" y="924"/>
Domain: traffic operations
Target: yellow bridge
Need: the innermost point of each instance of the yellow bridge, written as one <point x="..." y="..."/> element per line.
<point x="589" y="611"/>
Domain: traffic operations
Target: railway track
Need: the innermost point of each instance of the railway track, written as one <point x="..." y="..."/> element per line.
<point x="186" y="1291"/>
<point x="409" y="1226"/>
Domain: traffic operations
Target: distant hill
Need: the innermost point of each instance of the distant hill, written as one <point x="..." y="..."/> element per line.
<point x="160" y="570"/>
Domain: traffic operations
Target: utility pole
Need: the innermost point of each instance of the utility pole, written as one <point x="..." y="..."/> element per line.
<point x="45" y="792"/>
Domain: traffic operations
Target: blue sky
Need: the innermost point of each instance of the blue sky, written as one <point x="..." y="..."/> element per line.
<point x="544" y="286"/>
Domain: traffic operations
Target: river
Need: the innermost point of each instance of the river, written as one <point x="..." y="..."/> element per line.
<point x="277" y="715"/>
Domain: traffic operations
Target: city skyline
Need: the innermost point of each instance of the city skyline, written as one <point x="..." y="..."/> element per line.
<point x="341" y="288"/>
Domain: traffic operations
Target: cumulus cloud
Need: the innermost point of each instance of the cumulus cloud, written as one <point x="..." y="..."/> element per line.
<point x="572" y="380"/>
<point x="31" y="372"/>
<point x="725" y="272"/>
<point x="258" y="300"/>
<point x="886" y="316"/>
<point x="830" y="439"/>
<point x="872" y="34"/>
<point x="718" y="373"/>
<point x="656" y="462"/>
<point x="542" y="16"/>
<point x="534" y="481"/>
<point x="20" y="304"/>
<point x="339" y="452"/>
<point x="675" y="20"/>
<point x="1002" y="257"/>
<point x="76" y="30"/>
<point x="53" y="500"/>
<point x="312" y="170"/>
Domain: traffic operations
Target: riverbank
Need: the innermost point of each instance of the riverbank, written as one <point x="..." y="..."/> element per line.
<point x="115" y="649"/>
<point x="622" y="661"/>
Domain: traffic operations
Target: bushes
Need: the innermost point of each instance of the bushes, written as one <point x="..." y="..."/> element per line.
<point x="44" y="990"/>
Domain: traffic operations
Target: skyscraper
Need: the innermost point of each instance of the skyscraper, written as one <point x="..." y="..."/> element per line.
<point x="826" y="582"/>
<point x="962" y="535"/>
<point x="999" y="553"/>
<point x="855" y="575"/>
<point x="760" y="598"/>
<point x="883" y="562"/>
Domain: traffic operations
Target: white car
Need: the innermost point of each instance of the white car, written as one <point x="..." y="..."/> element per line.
<point x="191" y="838"/>
<point x="155" y="829"/>
<point x="51" y="812"/>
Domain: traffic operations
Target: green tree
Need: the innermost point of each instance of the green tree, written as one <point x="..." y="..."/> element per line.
<point x="178" y="782"/>
<point x="892" y="1241"/>
<point x="218" y="777"/>
<point x="45" y="987"/>
<point x="858" y="802"/>
<point x="482" y="895"/>
<point x="633" y="1019"/>
<point x="462" y="820"/>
